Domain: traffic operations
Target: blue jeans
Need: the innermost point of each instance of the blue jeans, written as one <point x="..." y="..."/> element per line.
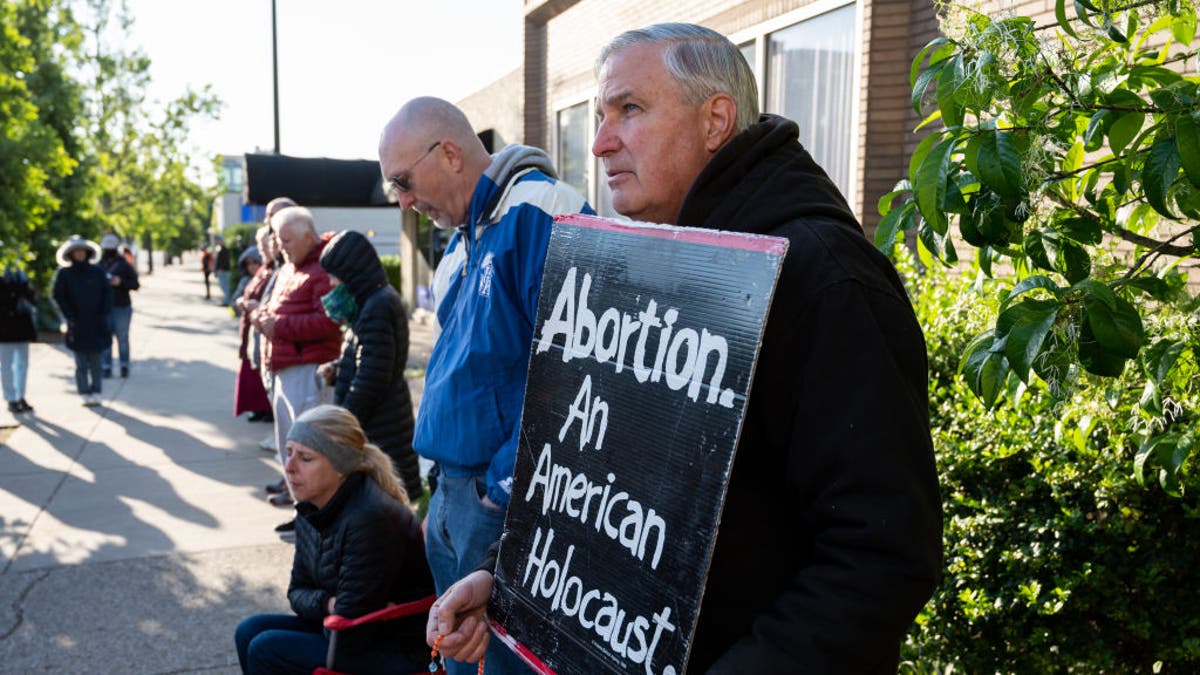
<point x="14" y="367"/>
<point x="223" y="282"/>
<point x="285" y="643"/>
<point x="460" y="531"/>
<point x="87" y="366"/>
<point x="118" y="327"/>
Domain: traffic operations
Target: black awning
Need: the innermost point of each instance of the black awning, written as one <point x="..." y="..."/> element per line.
<point x="314" y="181"/>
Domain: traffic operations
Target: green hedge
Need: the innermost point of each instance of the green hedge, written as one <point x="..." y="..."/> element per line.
<point x="1057" y="559"/>
<point x="391" y="265"/>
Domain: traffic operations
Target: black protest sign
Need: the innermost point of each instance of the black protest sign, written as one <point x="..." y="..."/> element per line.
<point x="644" y="347"/>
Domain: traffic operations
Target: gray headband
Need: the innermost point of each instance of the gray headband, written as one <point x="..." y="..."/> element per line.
<point x="344" y="458"/>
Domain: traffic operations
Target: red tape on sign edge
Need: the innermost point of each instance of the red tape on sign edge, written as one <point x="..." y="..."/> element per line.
<point x="721" y="238"/>
<point x="520" y="649"/>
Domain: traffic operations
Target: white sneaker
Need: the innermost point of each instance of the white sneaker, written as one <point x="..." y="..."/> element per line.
<point x="268" y="443"/>
<point x="91" y="400"/>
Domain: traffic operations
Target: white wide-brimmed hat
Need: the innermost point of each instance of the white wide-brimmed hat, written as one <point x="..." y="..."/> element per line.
<point x="75" y="243"/>
<point x="110" y="242"/>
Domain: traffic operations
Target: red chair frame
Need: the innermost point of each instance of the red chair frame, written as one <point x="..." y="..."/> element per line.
<point x="335" y="623"/>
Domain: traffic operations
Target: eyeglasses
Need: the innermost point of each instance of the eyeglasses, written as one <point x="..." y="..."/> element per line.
<point x="401" y="180"/>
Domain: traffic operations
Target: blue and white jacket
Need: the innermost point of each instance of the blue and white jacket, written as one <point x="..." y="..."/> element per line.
<point x="486" y="288"/>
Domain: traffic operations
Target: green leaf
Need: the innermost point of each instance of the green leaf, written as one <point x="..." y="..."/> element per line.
<point x="884" y="205"/>
<point x="915" y="68"/>
<point x="1081" y="229"/>
<point x="1030" y="283"/>
<point x="1153" y="286"/>
<point x="919" y="155"/>
<point x="1159" y="172"/>
<point x="1060" y="13"/>
<point x="949" y="80"/>
<point x="1075" y="263"/>
<point x="1054" y="362"/>
<point x="1166" y="452"/>
<point x="1184" y="27"/>
<point x="1094" y="134"/>
<point x="1042" y="249"/>
<point x="931" y="185"/>
<point x="1023" y="327"/>
<point x="1187" y="144"/>
<point x="1148" y="452"/>
<point x="1081" y="10"/>
<point x="1096" y="359"/>
<point x="1114" y="322"/>
<point x="1159" y="358"/>
<point x="984" y="370"/>
<point x="894" y="222"/>
<point x="930" y="241"/>
<point x="984" y="255"/>
<point x="1124" y="129"/>
<point x="922" y="83"/>
<point x="999" y="164"/>
<point x="1073" y="159"/>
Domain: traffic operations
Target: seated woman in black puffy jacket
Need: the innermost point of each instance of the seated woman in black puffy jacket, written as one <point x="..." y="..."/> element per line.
<point x="358" y="548"/>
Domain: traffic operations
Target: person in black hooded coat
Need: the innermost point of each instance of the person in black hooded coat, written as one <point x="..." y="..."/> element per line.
<point x="831" y="537"/>
<point x="370" y="374"/>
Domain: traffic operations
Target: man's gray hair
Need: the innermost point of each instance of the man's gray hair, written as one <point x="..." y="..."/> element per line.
<point x="298" y="214"/>
<point x="702" y="61"/>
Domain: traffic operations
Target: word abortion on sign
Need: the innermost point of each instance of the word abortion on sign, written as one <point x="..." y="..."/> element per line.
<point x="644" y="348"/>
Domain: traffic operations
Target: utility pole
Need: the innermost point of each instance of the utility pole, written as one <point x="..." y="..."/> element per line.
<point x="275" y="70"/>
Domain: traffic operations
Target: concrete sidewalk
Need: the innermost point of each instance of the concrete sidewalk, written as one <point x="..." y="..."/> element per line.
<point x="135" y="536"/>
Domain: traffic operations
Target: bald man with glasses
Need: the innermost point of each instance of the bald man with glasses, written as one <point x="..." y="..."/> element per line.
<point x="501" y="209"/>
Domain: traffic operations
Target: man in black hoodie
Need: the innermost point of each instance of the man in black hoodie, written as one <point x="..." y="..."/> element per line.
<point x="830" y="541"/>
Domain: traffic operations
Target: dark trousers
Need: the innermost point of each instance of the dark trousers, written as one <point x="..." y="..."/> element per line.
<point x="285" y="643"/>
<point x="87" y="372"/>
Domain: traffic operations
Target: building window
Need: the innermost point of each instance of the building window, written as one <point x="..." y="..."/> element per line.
<point x="573" y="148"/>
<point x="809" y="79"/>
<point x="231" y="174"/>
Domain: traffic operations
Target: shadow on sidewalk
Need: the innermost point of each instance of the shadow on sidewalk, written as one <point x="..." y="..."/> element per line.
<point x="166" y="614"/>
<point x="101" y="506"/>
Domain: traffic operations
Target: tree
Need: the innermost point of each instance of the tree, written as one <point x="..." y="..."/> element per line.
<point x="1068" y="161"/>
<point x="146" y="186"/>
<point x="37" y="147"/>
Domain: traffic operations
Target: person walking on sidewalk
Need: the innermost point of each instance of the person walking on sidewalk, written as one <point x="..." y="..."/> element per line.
<point x="370" y="374"/>
<point x="206" y="266"/>
<point x="502" y="210"/>
<point x="123" y="278"/>
<point x="18" y="327"/>
<point x="302" y="336"/>
<point x="84" y="297"/>
<point x="222" y="266"/>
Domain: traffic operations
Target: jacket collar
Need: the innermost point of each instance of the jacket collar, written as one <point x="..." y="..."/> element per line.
<point x="326" y="515"/>
<point x="761" y="178"/>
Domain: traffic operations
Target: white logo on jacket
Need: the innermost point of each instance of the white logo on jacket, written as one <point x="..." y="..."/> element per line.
<point x="485" y="279"/>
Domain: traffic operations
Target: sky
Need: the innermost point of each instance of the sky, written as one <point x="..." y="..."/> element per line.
<point x="345" y="66"/>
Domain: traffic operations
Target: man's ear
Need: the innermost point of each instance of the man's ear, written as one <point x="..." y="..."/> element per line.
<point x="720" y="116"/>
<point x="453" y="154"/>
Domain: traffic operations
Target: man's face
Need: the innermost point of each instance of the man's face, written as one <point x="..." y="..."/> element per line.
<point x="79" y="254"/>
<point x="421" y="168"/>
<point x="296" y="241"/>
<point x="652" y="144"/>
